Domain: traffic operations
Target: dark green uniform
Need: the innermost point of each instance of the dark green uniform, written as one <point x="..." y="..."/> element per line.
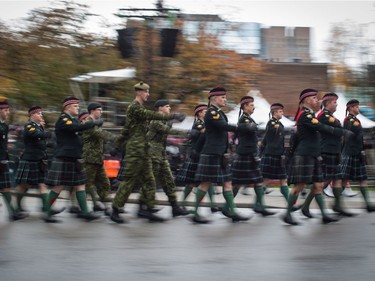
<point x="93" y="155"/>
<point x="138" y="161"/>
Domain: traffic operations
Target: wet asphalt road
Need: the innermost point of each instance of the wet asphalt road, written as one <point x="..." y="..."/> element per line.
<point x="260" y="249"/>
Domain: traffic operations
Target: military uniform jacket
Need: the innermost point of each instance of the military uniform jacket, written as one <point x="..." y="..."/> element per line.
<point x="354" y="145"/>
<point x="35" y="142"/>
<point x="198" y="136"/>
<point x="308" y="128"/>
<point x="137" y="122"/>
<point x="157" y="134"/>
<point x="4" y="129"/>
<point x="273" y="140"/>
<point x="69" y="143"/>
<point x="93" y="144"/>
<point x="247" y="140"/>
<point x="217" y="128"/>
<point x="330" y="143"/>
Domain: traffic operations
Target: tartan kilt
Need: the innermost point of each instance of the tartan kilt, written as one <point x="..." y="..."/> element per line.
<point x="245" y="170"/>
<point x="29" y="172"/>
<point x="121" y="171"/>
<point x="211" y="169"/>
<point x="272" y="167"/>
<point x="331" y="167"/>
<point x="352" y="168"/>
<point x="305" y="169"/>
<point x="5" y="177"/>
<point x="186" y="174"/>
<point x="65" y="172"/>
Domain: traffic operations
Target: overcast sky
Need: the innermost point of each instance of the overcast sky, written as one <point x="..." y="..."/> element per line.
<point x="319" y="15"/>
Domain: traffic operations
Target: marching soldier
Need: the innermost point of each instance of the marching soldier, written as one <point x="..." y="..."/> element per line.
<point x="331" y="146"/>
<point x="157" y="134"/>
<point x="33" y="163"/>
<point x="67" y="167"/>
<point x="306" y="162"/>
<point x="353" y="165"/>
<point x="213" y="166"/>
<point x="93" y="155"/>
<point x="245" y="167"/>
<point x="5" y="184"/>
<point x="138" y="162"/>
<point x="273" y="161"/>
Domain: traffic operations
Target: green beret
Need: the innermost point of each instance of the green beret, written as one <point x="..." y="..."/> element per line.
<point x="159" y="103"/>
<point x="141" y="86"/>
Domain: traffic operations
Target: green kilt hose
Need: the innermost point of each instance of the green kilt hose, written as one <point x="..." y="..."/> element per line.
<point x="30" y="172"/>
<point x="272" y="167"/>
<point x="65" y="171"/>
<point x="211" y="168"/>
<point x="353" y="168"/>
<point x="5" y="176"/>
<point x="331" y="166"/>
<point x="245" y="170"/>
<point x="305" y="169"/>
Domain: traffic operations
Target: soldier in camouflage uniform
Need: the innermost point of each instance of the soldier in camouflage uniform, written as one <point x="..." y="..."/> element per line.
<point x="353" y="164"/>
<point x="157" y="134"/>
<point x="138" y="161"/>
<point x="93" y="155"/>
<point x="33" y="162"/>
<point x="67" y="167"/>
<point x="5" y="184"/>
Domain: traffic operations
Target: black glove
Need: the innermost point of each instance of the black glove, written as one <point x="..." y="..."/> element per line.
<point x="178" y="116"/>
<point x="99" y="122"/>
<point x="47" y="134"/>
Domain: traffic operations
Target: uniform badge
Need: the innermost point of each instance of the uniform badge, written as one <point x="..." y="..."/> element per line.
<point x="356" y="123"/>
<point x="32" y="129"/>
<point x="217" y="116"/>
<point x="277" y="126"/>
<point x="273" y="123"/>
<point x="246" y="120"/>
<point x="213" y="112"/>
<point x="65" y="119"/>
<point x="331" y="119"/>
<point x="68" y="122"/>
<point x="309" y="116"/>
<point x="351" y="120"/>
<point x="28" y="126"/>
<point x="199" y="126"/>
<point x="327" y="115"/>
<point x="314" y="121"/>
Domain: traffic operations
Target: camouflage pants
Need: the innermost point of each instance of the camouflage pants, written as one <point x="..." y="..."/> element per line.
<point x="97" y="177"/>
<point x="137" y="170"/>
<point x="163" y="174"/>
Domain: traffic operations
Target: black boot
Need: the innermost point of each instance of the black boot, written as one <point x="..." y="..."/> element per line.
<point x="89" y="216"/>
<point x="18" y="216"/>
<point x="237" y="217"/>
<point x="148" y="214"/>
<point x="263" y="212"/>
<point x="342" y="212"/>
<point x="306" y="213"/>
<point x="201" y="220"/>
<point x="115" y="216"/>
<point x="327" y="219"/>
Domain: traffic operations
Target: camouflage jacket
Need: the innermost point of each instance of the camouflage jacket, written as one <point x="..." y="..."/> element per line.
<point x="137" y="123"/>
<point x="157" y="134"/>
<point x="93" y="144"/>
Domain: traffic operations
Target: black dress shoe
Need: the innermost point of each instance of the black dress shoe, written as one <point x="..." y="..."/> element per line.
<point x="263" y="212"/>
<point x="289" y="220"/>
<point x="50" y="219"/>
<point x="343" y="213"/>
<point x="200" y="220"/>
<point x="237" y="217"/>
<point x="178" y="211"/>
<point x="296" y="208"/>
<point x="370" y="209"/>
<point x="18" y="216"/>
<point x="89" y="216"/>
<point x="306" y="213"/>
<point x="226" y="212"/>
<point x="215" y="209"/>
<point x="327" y="219"/>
